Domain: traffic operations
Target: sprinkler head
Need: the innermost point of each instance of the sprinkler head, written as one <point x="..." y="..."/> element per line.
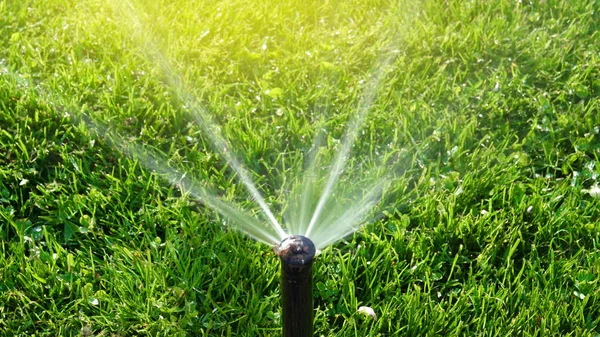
<point x="296" y="250"/>
<point x="297" y="253"/>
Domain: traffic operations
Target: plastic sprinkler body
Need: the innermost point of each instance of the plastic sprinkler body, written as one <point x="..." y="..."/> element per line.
<point x="297" y="253"/>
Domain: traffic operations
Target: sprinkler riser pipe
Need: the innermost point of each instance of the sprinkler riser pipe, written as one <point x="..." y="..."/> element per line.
<point x="297" y="254"/>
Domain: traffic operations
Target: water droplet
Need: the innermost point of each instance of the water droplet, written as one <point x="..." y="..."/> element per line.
<point x="453" y="151"/>
<point x="590" y="165"/>
<point x="459" y="191"/>
<point x="594" y="191"/>
<point x="204" y="33"/>
<point x="579" y="295"/>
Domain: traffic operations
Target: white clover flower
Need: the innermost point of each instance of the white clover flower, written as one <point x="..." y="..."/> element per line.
<point x="368" y="311"/>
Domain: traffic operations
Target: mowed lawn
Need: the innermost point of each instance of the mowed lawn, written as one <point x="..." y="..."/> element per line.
<point x="484" y="114"/>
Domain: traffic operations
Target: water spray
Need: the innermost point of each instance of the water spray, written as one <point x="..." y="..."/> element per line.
<point x="297" y="253"/>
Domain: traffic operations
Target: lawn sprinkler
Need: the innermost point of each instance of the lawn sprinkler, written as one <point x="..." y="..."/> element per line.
<point x="297" y="253"/>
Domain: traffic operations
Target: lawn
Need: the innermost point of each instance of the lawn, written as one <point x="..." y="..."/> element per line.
<point x="481" y="117"/>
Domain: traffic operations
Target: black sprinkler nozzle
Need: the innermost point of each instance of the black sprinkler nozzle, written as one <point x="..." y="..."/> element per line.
<point x="297" y="253"/>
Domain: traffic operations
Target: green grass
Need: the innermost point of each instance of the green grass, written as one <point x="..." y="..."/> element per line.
<point x="489" y="118"/>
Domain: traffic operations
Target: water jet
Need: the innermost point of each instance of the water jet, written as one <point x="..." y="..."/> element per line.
<point x="297" y="254"/>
